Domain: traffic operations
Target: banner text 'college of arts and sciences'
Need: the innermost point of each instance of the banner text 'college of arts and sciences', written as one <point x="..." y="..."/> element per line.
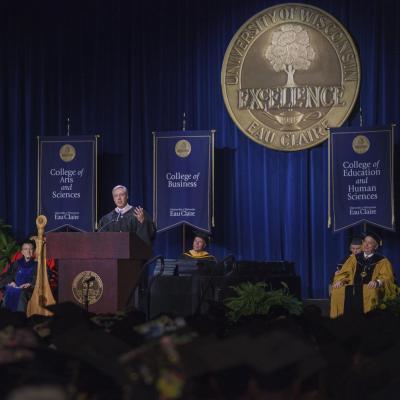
<point x="183" y="179"/>
<point x="362" y="177"/>
<point x="67" y="187"/>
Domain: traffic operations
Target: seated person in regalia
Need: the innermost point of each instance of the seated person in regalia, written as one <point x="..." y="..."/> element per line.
<point x="363" y="279"/>
<point x="355" y="247"/>
<point x="19" y="280"/>
<point x="198" y="252"/>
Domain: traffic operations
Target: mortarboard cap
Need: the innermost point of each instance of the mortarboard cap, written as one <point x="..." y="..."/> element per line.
<point x="204" y="235"/>
<point x="16" y="319"/>
<point x="67" y="315"/>
<point x="265" y="353"/>
<point x="356" y="241"/>
<point x="73" y="333"/>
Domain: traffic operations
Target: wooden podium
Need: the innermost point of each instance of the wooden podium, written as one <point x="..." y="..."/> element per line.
<point x="97" y="270"/>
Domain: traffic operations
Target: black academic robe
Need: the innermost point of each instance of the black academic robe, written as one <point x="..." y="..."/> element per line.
<point x="114" y="222"/>
<point x="20" y="272"/>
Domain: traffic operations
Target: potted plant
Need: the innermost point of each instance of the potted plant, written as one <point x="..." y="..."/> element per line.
<point x="391" y="301"/>
<point x="254" y="299"/>
<point x="8" y="246"/>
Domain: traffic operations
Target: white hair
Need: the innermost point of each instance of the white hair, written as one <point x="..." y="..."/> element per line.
<point x="119" y="187"/>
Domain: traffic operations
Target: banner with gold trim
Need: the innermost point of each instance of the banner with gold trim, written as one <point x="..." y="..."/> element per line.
<point x="183" y="179"/>
<point x="361" y="172"/>
<point x="67" y="182"/>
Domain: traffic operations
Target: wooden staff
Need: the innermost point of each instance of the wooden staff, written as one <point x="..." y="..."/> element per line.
<point x="42" y="295"/>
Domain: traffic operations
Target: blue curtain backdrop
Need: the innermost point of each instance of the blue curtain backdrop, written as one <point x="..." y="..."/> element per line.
<point x="122" y="69"/>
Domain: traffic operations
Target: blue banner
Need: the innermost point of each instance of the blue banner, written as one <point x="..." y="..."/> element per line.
<point x="67" y="187"/>
<point x="183" y="179"/>
<point x="362" y="177"/>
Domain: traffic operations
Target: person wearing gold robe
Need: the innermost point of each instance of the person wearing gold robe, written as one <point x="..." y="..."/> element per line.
<point x="198" y="251"/>
<point x="363" y="279"/>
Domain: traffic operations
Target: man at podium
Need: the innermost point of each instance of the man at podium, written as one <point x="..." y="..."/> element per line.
<point x="125" y="218"/>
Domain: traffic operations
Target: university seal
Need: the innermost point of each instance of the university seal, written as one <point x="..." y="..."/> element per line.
<point x="87" y="286"/>
<point x="289" y="73"/>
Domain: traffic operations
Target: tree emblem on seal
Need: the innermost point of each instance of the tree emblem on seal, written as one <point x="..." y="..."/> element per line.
<point x="290" y="51"/>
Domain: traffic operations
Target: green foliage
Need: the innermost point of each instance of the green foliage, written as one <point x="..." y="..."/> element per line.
<point x="8" y="246"/>
<point x="391" y="301"/>
<point x="255" y="299"/>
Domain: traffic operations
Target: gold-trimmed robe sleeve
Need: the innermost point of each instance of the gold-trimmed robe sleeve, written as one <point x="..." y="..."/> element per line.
<point x="346" y="274"/>
<point x="383" y="272"/>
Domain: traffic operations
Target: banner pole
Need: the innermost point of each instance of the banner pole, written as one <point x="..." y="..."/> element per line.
<point x="183" y="237"/>
<point x="38" y="176"/>
<point x="154" y="178"/>
<point x="184" y="121"/>
<point x="392" y="173"/>
<point x="213" y="174"/>
<point x="96" y="137"/>
<point x="329" y="178"/>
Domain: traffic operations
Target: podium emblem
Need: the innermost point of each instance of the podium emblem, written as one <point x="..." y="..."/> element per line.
<point x="87" y="287"/>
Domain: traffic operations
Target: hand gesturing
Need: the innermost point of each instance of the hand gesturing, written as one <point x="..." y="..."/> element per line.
<point x="138" y="212"/>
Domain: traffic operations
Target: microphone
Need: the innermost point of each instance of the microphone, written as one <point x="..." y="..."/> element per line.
<point x="105" y="225"/>
<point x="88" y="280"/>
<point x="119" y="216"/>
